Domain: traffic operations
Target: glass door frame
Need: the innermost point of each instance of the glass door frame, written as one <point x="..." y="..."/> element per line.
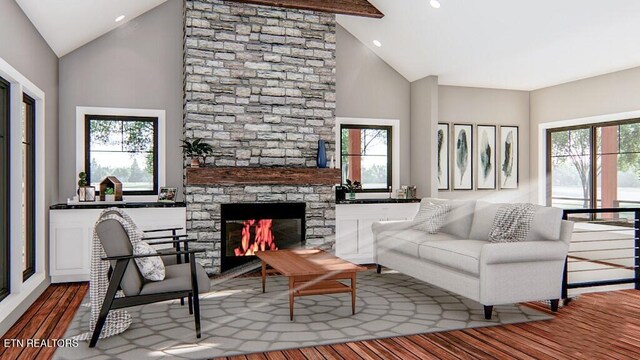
<point x="593" y="153"/>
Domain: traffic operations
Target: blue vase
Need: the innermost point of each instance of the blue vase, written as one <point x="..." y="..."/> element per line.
<point x="322" y="154"/>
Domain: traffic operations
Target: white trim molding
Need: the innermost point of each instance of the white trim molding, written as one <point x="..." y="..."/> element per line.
<point x="23" y="292"/>
<point x="395" y="145"/>
<point x="542" y="141"/>
<point x="81" y="111"/>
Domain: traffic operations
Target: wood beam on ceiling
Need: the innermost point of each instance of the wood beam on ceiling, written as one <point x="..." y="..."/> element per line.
<point x="345" y="7"/>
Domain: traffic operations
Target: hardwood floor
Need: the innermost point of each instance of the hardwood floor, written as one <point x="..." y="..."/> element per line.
<point x="595" y="326"/>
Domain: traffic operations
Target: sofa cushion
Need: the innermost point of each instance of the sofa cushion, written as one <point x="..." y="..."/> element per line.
<point x="459" y="218"/>
<point x="545" y="226"/>
<point x="407" y="241"/>
<point x="431" y="216"/>
<point x="462" y="255"/>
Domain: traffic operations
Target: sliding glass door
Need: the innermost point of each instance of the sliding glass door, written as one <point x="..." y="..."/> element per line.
<point x="594" y="166"/>
<point x="4" y="188"/>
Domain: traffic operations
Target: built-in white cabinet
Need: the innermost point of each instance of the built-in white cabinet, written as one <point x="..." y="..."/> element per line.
<point x="354" y="237"/>
<point x="71" y="232"/>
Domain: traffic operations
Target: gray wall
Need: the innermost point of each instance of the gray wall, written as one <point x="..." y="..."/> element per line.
<point x="138" y="65"/>
<point x="367" y="87"/>
<point x="23" y="48"/>
<point x="424" y="120"/>
<point x="601" y="95"/>
<point x="489" y="107"/>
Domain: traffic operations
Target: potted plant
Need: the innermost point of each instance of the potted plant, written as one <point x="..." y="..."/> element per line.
<point x="109" y="194"/>
<point x="196" y="149"/>
<point x="352" y="187"/>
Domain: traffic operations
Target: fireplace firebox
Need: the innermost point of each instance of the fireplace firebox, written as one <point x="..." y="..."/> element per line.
<point x="250" y="227"/>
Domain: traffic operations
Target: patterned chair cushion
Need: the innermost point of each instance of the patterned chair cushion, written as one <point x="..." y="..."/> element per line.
<point x="152" y="267"/>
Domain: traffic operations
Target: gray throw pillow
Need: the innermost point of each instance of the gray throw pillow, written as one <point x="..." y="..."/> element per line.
<point x="431" y="216"/>
<point x="512" y="223"/>
<point x="152" y="267"/>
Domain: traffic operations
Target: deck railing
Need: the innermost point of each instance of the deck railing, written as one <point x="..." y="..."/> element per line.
<point x="605" y="248"/>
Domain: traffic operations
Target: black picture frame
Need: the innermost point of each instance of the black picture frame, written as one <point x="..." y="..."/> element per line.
<point x="509" y="157"/>
<point x="462" y="145"/>
<point x="486" y="155"/>
<point x="443" y="151"/>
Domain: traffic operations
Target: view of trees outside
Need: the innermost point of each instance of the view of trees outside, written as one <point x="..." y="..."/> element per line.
<point x="373" y="157"/>
<point x="571" y="166"/>
<point x="123" y="149"/>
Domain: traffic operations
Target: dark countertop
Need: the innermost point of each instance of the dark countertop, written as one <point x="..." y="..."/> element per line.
<point x="126" y="205"/>
<point x="377" y="201"/>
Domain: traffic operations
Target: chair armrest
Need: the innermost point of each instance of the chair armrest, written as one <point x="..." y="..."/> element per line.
<point x="524" y="251"/>
<point x="164" y="229"/>
<point x="128" y="257"/>
<point x="164" y="237"/>
<point x="172" y="241"/>
<point x="380" y="226"/>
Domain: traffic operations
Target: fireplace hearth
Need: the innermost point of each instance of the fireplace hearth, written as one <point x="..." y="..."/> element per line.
<point x="250" y="227"/>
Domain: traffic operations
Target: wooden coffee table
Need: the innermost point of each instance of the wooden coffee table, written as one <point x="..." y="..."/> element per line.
<point x="310" y="272"/>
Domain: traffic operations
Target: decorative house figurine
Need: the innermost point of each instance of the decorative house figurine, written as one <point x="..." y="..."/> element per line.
<point x="111" y="182"/>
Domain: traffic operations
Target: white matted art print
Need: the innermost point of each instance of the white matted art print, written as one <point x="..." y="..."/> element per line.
<point x="509" y="157"/>
<point x="486" y="157"/>
<point x="443" y="156"/>
<point x="463" y="157"/>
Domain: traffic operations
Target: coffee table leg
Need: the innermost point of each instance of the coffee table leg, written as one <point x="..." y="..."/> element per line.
<point x="291" y="290"/>
<point x="264" y="275"/>
<point x="353" y="294"/>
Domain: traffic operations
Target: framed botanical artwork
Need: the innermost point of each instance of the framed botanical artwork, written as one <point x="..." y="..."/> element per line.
<point x="462" y="157"/>
<point x="167" y="194"/>
<point x="443" y="156"/>
<point x="509" y="153"/>
<point x="486" y="157"/>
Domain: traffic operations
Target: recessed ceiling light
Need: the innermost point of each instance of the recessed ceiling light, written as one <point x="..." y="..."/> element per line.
<point x="435" y="4"/>
<point x="377" y="43"/>
<point x="121" y="17"/>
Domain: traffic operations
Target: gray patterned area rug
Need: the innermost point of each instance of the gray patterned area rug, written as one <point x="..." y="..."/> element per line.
<point x="237" y="318"/>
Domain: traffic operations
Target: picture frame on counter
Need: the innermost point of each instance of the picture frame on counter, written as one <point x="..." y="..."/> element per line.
<point x="167" y="194"/>
<point x="87" y="194"/>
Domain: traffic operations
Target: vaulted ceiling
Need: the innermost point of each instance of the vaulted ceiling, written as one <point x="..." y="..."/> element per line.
<point x="486" y="43"/>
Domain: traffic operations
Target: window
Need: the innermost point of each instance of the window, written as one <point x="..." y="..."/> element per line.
<point x="4" y="188"/>
<point x="595" y="166"/>
<point x="28" y="187"/>
<point x="125" y="147"/>
<point x="366" y="156"/>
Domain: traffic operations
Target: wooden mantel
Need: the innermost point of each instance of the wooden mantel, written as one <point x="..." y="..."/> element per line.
<point x="262" y="176"/>
<point x="345" y="7"/>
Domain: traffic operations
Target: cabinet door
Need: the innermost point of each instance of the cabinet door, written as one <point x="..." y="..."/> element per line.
<point x="70" y="252"/>
<point x="365" y="240"/>
<point x="346" y="238"/>
<point x="402" y="211"/>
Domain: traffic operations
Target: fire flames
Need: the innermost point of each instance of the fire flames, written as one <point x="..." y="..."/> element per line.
<point x="263" y="240"/>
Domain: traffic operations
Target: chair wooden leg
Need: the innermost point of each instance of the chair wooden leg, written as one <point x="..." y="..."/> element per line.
<point x="190" y="305"/>
<point x="378" y="268"/>
<point x="553" y="304"/>
<point x="488" y="310"/>
<point x="194" y="295"/>
<point x="181" y="301"/>
<point x="114" y="283"/>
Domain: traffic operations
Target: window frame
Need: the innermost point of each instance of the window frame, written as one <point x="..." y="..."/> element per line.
<point x="30" y="184"/>
<point x="156" y="163"/>
<point x="593" y="154"/>
<point x="5" y="203"/>
<point x="389" y="129"/>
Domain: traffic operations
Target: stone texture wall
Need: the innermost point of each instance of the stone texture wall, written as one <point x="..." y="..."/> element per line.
<point x="260" y="88"/>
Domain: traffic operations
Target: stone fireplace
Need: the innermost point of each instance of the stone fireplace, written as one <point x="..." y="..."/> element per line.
<point x="260" y="88"/>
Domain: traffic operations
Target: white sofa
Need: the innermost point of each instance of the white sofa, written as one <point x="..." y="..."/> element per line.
<point x="460" y="259"/>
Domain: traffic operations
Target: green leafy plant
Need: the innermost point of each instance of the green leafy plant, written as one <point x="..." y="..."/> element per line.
<point x="353" y="186"/>
<point x="196" y="149"/>
<point x="109" y="191"/>
<point x="82" y="179"/>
